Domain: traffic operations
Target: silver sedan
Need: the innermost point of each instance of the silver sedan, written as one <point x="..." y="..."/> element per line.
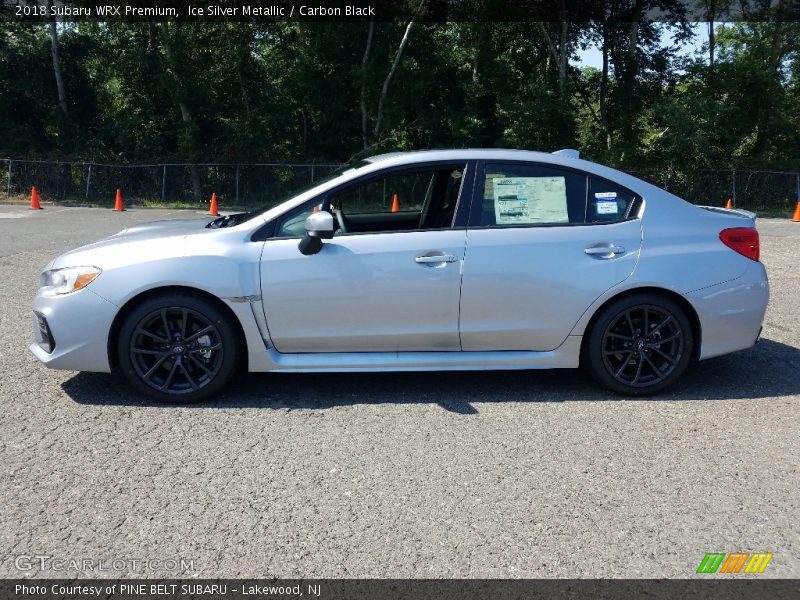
<point x="420" y="261"/>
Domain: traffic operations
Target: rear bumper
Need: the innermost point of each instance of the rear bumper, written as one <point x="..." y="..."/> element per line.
<point x="78" y="325"/>
<point x="732" y="313"/>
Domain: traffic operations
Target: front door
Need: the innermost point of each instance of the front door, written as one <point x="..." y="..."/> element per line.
<point x="389" y="280"/>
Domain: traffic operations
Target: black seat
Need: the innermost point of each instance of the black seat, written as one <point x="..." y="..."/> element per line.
<point x="448" y="211"/>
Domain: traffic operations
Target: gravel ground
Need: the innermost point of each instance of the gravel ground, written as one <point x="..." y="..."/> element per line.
<point x="515" y="474"/>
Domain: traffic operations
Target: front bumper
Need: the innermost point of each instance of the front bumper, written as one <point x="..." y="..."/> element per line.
<point x="78" y="326"/>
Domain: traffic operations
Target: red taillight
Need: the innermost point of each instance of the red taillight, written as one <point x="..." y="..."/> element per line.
<point x="742" y="239"/>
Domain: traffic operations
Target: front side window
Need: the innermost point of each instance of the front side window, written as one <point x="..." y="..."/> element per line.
<point x="406" y="192"/>
<point x="406" y="200"/>
<point x="294" y="225"/>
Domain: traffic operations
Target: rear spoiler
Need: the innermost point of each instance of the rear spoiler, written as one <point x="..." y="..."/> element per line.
<point x="732" y="211"/>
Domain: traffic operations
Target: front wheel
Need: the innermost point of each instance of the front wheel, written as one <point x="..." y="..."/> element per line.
<point x="178" y="348"/>
<point x="639" y="345"/>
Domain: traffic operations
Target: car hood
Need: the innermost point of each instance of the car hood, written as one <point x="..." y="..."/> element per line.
<point x="142" y="239"/>
<point x="163" y="228"/>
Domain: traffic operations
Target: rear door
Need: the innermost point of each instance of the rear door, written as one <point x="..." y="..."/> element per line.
<point x="543" y="244"/>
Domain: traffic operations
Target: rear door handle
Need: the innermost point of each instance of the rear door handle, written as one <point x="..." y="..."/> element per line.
<point x="604" y="250"/>
<point x="435" y="258"/>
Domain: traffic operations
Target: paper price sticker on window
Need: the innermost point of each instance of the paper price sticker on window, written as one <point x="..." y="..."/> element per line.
<point x="606" y="203"/>
<point x="523" y="200"/>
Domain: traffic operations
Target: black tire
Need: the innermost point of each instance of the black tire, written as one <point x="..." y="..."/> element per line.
<point x="639" y="345"/>
<point x="194" y="361"/>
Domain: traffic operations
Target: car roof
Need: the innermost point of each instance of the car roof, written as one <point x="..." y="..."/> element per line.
<point x="564" y="158"/>
<point x="378" y="162"/>
<point x="561" y="158"/>
<point x="461" y="154"/>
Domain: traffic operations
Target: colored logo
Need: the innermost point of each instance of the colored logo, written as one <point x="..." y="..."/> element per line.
<point x="735" y="562"/>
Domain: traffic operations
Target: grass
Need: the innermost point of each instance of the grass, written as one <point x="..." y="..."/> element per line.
<point x="774" y="213"/>
<point x="177" y="204"/>
<point x="129" y="203"/>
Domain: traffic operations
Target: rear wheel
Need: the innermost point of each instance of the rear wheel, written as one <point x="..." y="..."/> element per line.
<point x="178" y="348"/>
<point x="639" y="345"/>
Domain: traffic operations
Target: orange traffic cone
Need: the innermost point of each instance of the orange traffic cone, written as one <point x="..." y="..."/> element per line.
<point x="35" y="199"/>
<point x="213" y="209"/>
<point x="395" y="203"/>
<point x="119" y="204"/>
<point x="796" y="217"/>
<point x="729" y="203"/>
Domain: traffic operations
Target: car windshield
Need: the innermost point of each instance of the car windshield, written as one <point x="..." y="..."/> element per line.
<point x="235" y="219"/>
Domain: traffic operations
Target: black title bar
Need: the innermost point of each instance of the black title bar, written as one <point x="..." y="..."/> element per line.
<point x="392" y="589"/>
<point x="433" y="11"/>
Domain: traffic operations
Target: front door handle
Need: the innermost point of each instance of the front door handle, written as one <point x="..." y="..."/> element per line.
<point x="424" y="259"/>
<point x="604" y="250"/>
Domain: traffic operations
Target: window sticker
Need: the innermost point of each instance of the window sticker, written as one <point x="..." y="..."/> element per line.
<point x="488" y="189"/>
<point x="522" y="200"/>
<point x="607" y="208"/>
<point x="606" y="203"/>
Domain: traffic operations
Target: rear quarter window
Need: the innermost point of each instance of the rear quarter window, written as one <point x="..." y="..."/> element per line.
<point x="608" y="201"/>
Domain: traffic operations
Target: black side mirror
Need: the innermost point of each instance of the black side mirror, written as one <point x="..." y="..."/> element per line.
<point x="309" y="245"/>
<point x="319" y="226"/>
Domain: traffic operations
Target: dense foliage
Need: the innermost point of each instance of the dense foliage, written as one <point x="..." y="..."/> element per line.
<point x="288" y="91"/>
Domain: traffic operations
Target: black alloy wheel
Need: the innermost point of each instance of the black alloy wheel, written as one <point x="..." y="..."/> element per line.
<point x="639" y="345"/>
<point x="178" y="348"/>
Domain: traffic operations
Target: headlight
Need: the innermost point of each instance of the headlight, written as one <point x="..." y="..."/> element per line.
<point x="64" y="281"/>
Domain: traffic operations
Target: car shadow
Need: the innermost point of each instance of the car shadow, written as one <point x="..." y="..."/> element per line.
<point x="767" y="370"/>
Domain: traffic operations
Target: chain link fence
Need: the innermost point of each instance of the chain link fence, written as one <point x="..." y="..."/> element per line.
<point x="759" y="191"/>
<point x="265" y="184"/>
<point x="236" y="185"/>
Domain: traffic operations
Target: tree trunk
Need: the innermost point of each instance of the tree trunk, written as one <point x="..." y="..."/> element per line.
<point x="710" y="16"/>
<point x="627" y="102"/>
<point x="151" y="37"/>
<point x="767" y="110"/>
<point x="186" y="113"/>
<point x="562" y="50"/>
<point x="604" y="89"/>
<point x="484" y="95"/>
<point x="239" y="55"/>
<point x="398" y="55"/>
<point x="62" y="94"/>
<point x="364" y="61"/>
<point x="559" y="54"/>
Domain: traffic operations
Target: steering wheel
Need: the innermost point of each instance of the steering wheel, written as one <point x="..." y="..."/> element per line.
<point x="340" y="220"/>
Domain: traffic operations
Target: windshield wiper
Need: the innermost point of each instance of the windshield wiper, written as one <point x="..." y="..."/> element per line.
<point x="229" y="220"/>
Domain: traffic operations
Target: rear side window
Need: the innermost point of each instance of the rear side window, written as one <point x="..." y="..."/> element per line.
<point x="607" y="201"/>
<point x="517" y="194"/>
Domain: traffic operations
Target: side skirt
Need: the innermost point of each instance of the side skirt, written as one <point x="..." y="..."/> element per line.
<point x="564" y="357"/>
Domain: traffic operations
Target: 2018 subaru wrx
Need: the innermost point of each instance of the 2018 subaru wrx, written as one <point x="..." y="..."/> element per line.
<point x="433" y="260"/>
